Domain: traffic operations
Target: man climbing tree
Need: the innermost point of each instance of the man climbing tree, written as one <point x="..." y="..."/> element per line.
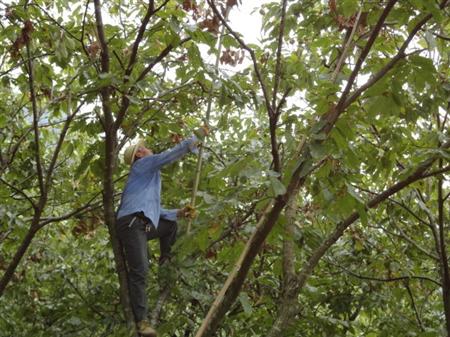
<point x="141" y="218"/>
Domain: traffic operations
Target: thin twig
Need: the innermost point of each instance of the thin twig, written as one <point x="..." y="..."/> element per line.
<point x="388" y="279"/>
<point x="412" y="242"/>
<point x="278" y="70"/>
<point x="80" y="294"/>
<point x="346" y="48"/>
<point x="249" y="50"/>
<point x="23" y="62"/>
<point x="21" y="192"/>
<point x="362" y="57"/>
<point x="37" y="154"/>
<point x="437" y="172"/>
<point x="413" y="303"/>
<point x="62" y="136"/>
<point x="55" y="22"/>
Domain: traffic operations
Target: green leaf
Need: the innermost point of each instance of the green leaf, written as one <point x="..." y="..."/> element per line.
<point x="194" y="56"/>
<point x="306" y="166"/>
<point x="133" y="99"/>
<point x="431" y="40"/>
<point x="354" y="194"/>
<point x="277" y="186"/>
<point x="245" y="302"/>
<point x="383" y="105"/>
<point x="3" y="120"/>
<point x="318" y="150"/>
<point x="202" y="239"/>
<point x="349" y="7"/>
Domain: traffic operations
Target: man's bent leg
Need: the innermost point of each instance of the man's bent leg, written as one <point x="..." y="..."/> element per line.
<point x="167" y="233"/>
<point x="134" y="240"/>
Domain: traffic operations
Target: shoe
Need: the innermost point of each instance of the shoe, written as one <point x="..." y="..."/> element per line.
<point x="145" y="330"/>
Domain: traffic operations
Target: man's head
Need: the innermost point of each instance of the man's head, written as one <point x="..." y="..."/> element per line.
<point x="136" y="151"/>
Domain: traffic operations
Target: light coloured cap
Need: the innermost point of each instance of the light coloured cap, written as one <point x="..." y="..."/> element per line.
<point x="131" y="150"/>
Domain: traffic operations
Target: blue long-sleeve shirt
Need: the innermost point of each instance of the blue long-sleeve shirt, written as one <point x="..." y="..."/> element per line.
<point x="142" y="191"/>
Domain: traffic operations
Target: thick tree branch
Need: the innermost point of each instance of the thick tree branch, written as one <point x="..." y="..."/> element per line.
<point x="232" y="286"/>
<point x="105" y="60"/>
<point x="83" y="28"/>
<point x="140" y="35"/>
<point x="101" y="37"/>
<point x="236" y="278"/>
<point x="109" y="166"/>
<point x="415" y="176"/>
<point x="38" y="210"/>
<point x="334" y="113"/>
<point x="282" y="101"/>
<point x="287" y="302"/>
<point x="20" y="252"/>
<point x="162" y="298"/>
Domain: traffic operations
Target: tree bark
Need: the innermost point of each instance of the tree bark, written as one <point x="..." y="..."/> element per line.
<point x="288" y="305"/>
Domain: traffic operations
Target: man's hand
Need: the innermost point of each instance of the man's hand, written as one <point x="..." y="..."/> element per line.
<point x="187" y="212"/>
<point x="176" y="138"/>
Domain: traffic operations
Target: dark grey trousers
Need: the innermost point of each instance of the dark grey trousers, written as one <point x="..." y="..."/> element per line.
<point x="134" y="231"/>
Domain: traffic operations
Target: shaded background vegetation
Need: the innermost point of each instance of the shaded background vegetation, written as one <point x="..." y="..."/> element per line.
<point x="340" y="101"/>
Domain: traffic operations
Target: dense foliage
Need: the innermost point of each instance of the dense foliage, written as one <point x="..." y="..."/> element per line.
<point x="350" y="98"/>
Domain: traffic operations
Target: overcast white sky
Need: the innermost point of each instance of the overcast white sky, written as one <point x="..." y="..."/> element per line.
<point x="246" y="20"/>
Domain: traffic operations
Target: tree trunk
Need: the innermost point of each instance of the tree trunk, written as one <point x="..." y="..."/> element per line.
<point x="109" y="214"/>
<point x="288" y="305"/>
<point x="108" y="182"/>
